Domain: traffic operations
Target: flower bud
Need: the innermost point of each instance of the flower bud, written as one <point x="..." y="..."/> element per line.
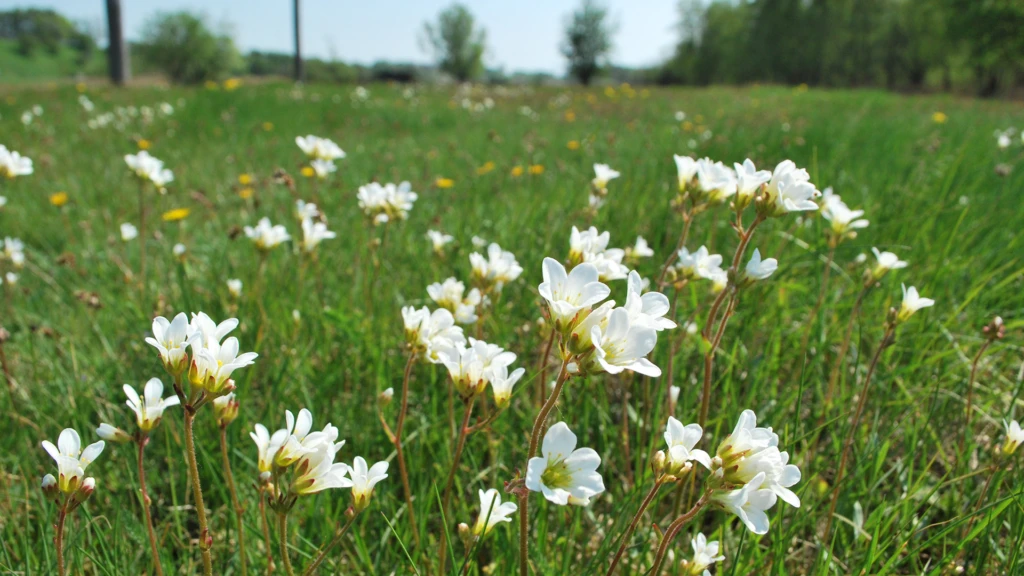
<point x="112" y="434"/>
<point x="226" y="408"/>
<point x="385" y="397"/>
<point x="658" y="463"/>
<point x="85" y="491"/>
<point x="995" y="330"/>
<point x="296" y="316"/>
<point x="466" y="535"/>
<point x="50" y="489"/>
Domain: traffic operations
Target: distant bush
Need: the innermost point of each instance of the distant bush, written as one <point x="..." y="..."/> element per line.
<point x="181" y="45"/>
<point x="35" y="30"/>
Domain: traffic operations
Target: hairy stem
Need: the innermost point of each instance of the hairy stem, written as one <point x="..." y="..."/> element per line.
<point x="970" y="391"/>
<point x="398" y="446"/>
<point x="282" y="528"/>
<point x="632" y="525"/>
<point x="687" y="221"/>
<point x="266" y="533"/>
<point x="205" y="540"/>
<point x="239" y="511"/>
<point x="158" y="569"/>
<point x="58" y="539"/>
<point x="674" y="529"/>
<point x="449" y="483"/>
<point x="543" y="369"/>
<point x="885" y="343"/>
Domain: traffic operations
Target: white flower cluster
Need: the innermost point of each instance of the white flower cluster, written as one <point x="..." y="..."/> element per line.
<point x="13" y="164"/>
<point x="322" y="153"/>
<point x="149" y="169"/>
<point x="495" y="270"/>
<point x="13" y="250"/>
<point x="388" y="202"/>
<point x="591" y="246"/>
<point x="451" y="295"/>
<point x="472" y="368"/>
<point x="786" y="189"/>
<point x="214" y="358"/>
<point x="266" y="236"/>
<point x="844" y="221"/>
<point x="429" y="332"/>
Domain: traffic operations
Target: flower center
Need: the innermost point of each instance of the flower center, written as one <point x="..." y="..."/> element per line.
<point x="557" y="475"/>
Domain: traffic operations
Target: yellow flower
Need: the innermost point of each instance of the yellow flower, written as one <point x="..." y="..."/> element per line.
<point x="517" y="171"/>
<point x="939" y="118"/>
<point x="570" y="116"/>
<point x="609" y="92"/>
<point x="59" y="199"/>
<point x="487" y="167"/>
<point x="308" y="171"/>
<point x="268" y="126"/>
<point x="444" y="182"/>
<point x="573" y="145"/>
<point x="175" y="215"/>
<point x="211" y="85"/>
<point x="537" y="169"/>
<point x="244" y="179"/>
<point x="232" y="83"/>
<point x="80" y="87"/>
<point x="699" y="118"/>
<point x="245" y="193"/>
<point x="687" y="126"/>
<point x="801" y="88"/>
<point x="143" y="144"/>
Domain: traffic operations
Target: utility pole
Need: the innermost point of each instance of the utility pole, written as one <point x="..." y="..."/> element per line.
<point x="117" y="57"/>
<point x="300" y="72"/>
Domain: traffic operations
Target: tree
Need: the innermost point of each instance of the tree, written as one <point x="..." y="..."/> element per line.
<point x="117" y="57"/>
<point x="587" y="41"/>
<point x="456" y="42"/>
<point x="181" y="45"/>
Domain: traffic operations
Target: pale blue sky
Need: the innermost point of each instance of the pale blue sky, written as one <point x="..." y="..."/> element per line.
<point x="522" y="34"/>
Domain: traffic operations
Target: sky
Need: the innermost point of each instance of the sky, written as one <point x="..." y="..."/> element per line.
<point x="522" y="35"/>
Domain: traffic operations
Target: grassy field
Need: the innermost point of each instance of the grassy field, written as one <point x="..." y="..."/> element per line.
<point x="925" y="494"/>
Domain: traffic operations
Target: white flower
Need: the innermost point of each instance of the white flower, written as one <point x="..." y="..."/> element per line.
<point x="1014" y="436"/>
<point x="112" y="433"/>
<point x="1003" y="141"/>
<point x="430" y="332"/>
<point x="492" y="512"/>
<point x="749" y="504"/>
<point x="750" y="452"/>
<point x="13" y="164"/>
<point x="304" y="210"/>
<point x="179" y="250"/>
<point x="149" y="168"/>
<point x="267" y="445"/>
<point x="502" y="383"/>
<point x="687" y="170"/>
<point x="438" y="240"/>
<point x="3" y="202"/>
<point x="564" y="474"/>
<point x="758" y="269"/>
<point x="363" y="480"/>
<point x="299" y="440"/>
<point x="497" y="269"/>
<point x="313" y="233"/>
<point x="235" y="287"/>
<point x="749" y="180"/>
<point x="646" y="309"/>
<point x="912" y="302"/>
<point x="673" y="394"/>
<point x="323" y="168"/>
<point x="681" y="441"/>
<point x="449" y="295"/>
<point x="71" y="459"/>
<point x="623" y="345"/>
<point x="886" y="261"/>
<point x="567" y="295"/>
<point x="318" y="471"/>
<point x="319" y="148"/>
<point x="603" y="174"/>
<point x="640" y="249"/>
<point x="11" y="278"/>
<point x="170" y="338"/>
<point x="704" y="555"/>
<point x="715" y="180"/>
<point x="265" y="235"/>
<point x="839" y="214"/>
<point x="212" y="370"/>
<point x="591" y="246"/>
<point x="149" y="408"/>
<point x="699" y="264"/>
<point x="478" y="242"/>
<point x="129" y="232"/>
<point x="789" y="190"/>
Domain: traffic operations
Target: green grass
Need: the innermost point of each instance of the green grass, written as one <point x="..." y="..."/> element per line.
<point x="42" y="65"/>
<point x="930" y="190"/>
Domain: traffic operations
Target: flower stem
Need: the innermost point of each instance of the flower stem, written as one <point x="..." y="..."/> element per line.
<point x="58" y="540"/>
<point x="543" y="369"/>
<point x="687" y="221"/>
<point x="398" y="445"/>
<point x="205" y="539"/>
<point x="145" y="507"/>
<point x="674" y="529"/>
<point x="632" y="525"/>
<point x="887" y="341"/>
<point x="239" y="511"/>
<point x="282" y="525"/>
<point x="970" y="391"/>
<point x="266" y="534"/>
<point x="538" y="426"/>
<point x="334" y="542"/>
<point x="464" y="430"/>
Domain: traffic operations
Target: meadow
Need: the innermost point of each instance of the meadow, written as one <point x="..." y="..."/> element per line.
<point x="926" y="490"/>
